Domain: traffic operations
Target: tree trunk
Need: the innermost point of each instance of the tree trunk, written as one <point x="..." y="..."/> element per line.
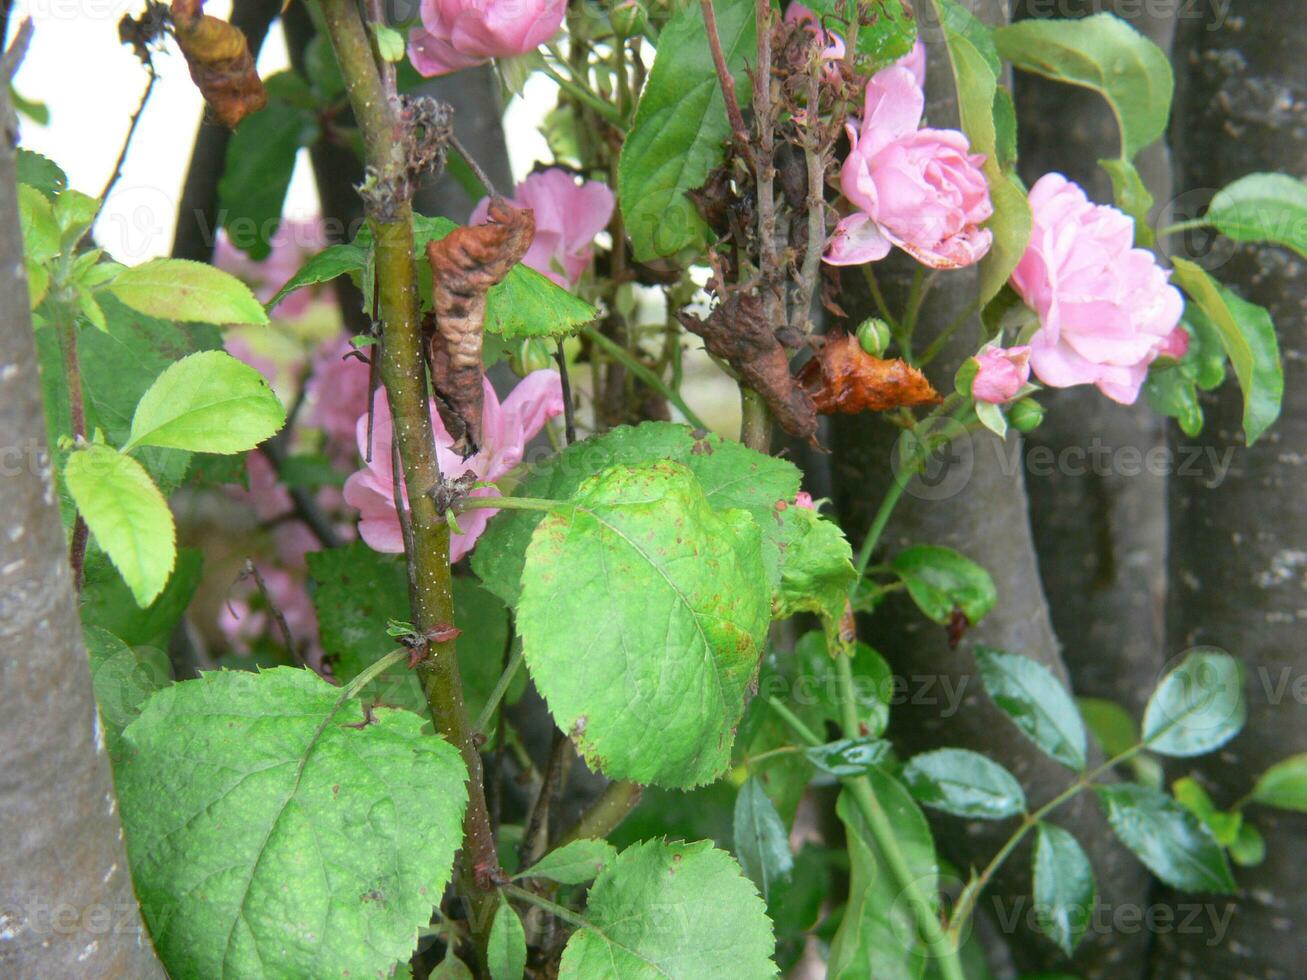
<point x="1098" y="512"/>
<point x="67" y="908"/>
<point x="976" y="504"/>
<point x="1238" y="545"/>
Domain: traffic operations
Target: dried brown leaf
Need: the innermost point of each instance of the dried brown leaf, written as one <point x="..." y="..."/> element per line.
<point x="843" y="378"/>
<point x="220" y="63"/>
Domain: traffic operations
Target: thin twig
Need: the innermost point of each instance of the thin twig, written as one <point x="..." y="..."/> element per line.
<point x="816" y="201"/>
<point x="475" y="167"/>
<point x="537" y="826"/>
<point x="278" y="617"/>
<point x="724" y="77"/>
<point x="606" y="813"/>
<point x="127" y="142"/>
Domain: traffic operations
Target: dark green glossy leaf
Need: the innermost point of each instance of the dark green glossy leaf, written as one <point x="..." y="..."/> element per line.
<point x="1064" y="889"/>
<point x="1197" y="707"/>
<point x="964" y="783"/>
<point x="1167" y="838"/>
<point x="762" y="844"/>
<point x="1036" y="701"/>
<point x="942" y="581"/>
<point x="848" y="757"/>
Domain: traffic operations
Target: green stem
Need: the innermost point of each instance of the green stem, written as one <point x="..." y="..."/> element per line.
<point x="793" y="720"/>
<point x="873" y="284"/>
<point x="403" y="374"/>
<point x="606" y="814"/>
<point x="1184" y="226"/>
<point x="938" y="343"/>
<point x="553" y="908"/>
<point x="755" y="420"/>
<point x="585" y="95"/>
<point x="368" y="675"/>
<point x="878" y="523"/>
<point x="497" y="695"/>
<point x="508" y="503"/>
<point x="618" y="353"/>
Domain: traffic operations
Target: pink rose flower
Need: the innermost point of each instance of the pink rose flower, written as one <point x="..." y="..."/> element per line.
<point x="295" y="241"/>
<point x="919" y="189"/>
<point x="337" y="395"/>
<point x="568" y="216"/>
<point x="508" y="428"/>
<point x="457" y="34"/>
<point x="1002" y="373"/>
<point x="1107" y="310"/>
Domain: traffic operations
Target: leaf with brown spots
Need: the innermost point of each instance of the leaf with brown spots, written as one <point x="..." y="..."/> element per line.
<point x="220" y="62"/>
<point x="843" y="378"/>
<point x="465" y="264"/>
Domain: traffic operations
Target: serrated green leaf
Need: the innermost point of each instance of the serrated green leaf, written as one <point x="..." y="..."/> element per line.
<point x="1284" y="785"/>
<point x="1263" y="208"/>
<point x="1063" y="884"/>
<point x="1171" y="842"/>
<point x="762" y="844"/>
<point x="331" y="262"/>
<point x="273" y="831"/>
<point x="848" y="757"/>
<point x="179" y="289"/>
<point x="207" y="402"/>
<point x="574" y="863"/>
<point x="964" y="783"/>
<point x="1248" y="335"/>
<point x="128" y="516"/>
<point x="685" y="613"/>
<point x="1197" y="707"/>
<point x="731" y="475"/>
<point x="816" y="569"/>
<point x="942" y="581"/>
<point x="506" y="947"/>
<point x="1036" y="701"/>
<point x="662" y="910"/>
<point x="122" y="678"/>
<point x="40" y="172"/>
<point x="680" y="128"/>
<point x="39" y="228"/>
<point x="1103" y="53"/>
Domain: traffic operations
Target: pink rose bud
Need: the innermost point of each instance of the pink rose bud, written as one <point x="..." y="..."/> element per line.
<point x="568" y="216"/>
<point x="1000" y="374"/>
<point x="919" y="189"/>
<point x="1176" y="345"/>
<point x="1107" y="310"/>
<point x="457" y="34"/>
<point x="803" y="500"/>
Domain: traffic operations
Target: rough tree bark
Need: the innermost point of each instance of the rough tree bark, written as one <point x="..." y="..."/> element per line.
<point x="1239" y="549"/>
<point x="977" y="505"/>
<point x="67" y="908"/>
<point x="1098" y="513"/>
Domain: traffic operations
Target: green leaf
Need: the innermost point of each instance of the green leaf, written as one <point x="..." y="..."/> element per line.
<point x="681" y="128"/>
<point x="877" y="938"/>
<point x="1132" y="196"/>
<point x="1249" y="848"/>
<point x="1248" y="335"/>
<point x="40" y="172"/>
<point x="1103" y="53"/>
<point x="1110" y="724"/>
<point x="74" y="212"/>
<point x="506" y="947"/>
<point x="574" y="863"/>
<point x="273" y="831"/>
<point x="207" y="403"/>
<point x="816" y="569"/>
<point x="179" y="289"/>
<point x="1263" y="208"/>
<point x="885" y="35"/>
<point x="1036" y="701"/>
<point x="664" y="910"/>
<point x="1171" y="842"/>
<point x="1224" y="826"/>
<point x="1064" y="889"/>
<point x="731" y="475"/>
<point x="684" y="616"/>
<point x="123" y="678"/>
<point x="1197" y="707"/>
<point x="817" y="679"/>
<point x="451" y="968"/>
<point x="260" y="161"/>
<point x="847" y="757"/>
<point x="38" y="225"/>
<point x="390" y="42"/>
<point x="965" y="784"/>
<point x="331" y="262"/>
<point x="107" y="602"/>
<point x="942" y="581"/>
<point x="128" y="516"/>
<point x="762" y="844"/>
<point x="1284" y="785"/>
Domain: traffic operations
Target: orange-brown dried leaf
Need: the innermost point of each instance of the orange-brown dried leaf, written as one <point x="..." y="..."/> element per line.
<point x="465" y="264"/>
<point x="220" y="63"/>
<point x="843" y="378"/>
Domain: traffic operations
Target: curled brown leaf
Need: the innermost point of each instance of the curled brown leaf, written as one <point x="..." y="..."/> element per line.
<point x="843" y="378"/>
<point x="220" y="62"/>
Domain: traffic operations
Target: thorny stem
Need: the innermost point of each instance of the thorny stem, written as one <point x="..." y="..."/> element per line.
<point x="724" y="78"/>
<point x="402" y="373"/>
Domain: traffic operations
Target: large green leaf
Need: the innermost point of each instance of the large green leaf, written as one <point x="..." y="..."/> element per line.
<point x="1167" y="838"/>
<point x="681" y="128"/>
<point x="123" y="678"/>
<point x="965" y="784"/>
<point x="1036" y="701"/>
<point x="1103" y="53"/>
<point x="731" y="475"/>
<point x="1197" y="707"/>
<point x="128" y="516"/>
<point x="208" y="402"/>
<point x="1263" y="208"/>
<point x="643" y="610"/>
<point x="762" y="844"/>
<point x="1064" y="889"/>
<point x="331" y="262"/>
<point x="942" y="581"/>
<point x="816" y="569"/>
<point x="1248" y="335"/>
<point x="681" y="911"/>
<point x="179" y="289"/>
<point x="273" y="831"/>
<point x="878" y="938"/>
<point x="1284" y="785"/>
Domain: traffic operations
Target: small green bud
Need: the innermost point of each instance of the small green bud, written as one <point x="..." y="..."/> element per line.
<point x="873" y="335"/>
<point x="531" y="355"/>
<point x="628" y="18"/>
<point x="1026" y="415"/>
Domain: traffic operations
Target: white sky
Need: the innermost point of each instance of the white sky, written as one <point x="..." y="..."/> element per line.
<point x="91" y="84"/>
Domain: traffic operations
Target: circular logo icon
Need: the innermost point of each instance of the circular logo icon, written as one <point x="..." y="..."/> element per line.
<point x="934" y="461"/>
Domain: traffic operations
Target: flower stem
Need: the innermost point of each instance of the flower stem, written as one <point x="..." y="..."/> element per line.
<point x="613" y="806"/>
<point x="624" y="357"/>
<point x="508" y="503"/>
<point x="497" y="695"/>
<point x="755" y="420"/>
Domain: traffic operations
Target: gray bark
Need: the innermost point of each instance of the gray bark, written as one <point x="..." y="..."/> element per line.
<point x="1237" y="548"/>
<point x="976" y="504"/>
<point x="67" y="908"/>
